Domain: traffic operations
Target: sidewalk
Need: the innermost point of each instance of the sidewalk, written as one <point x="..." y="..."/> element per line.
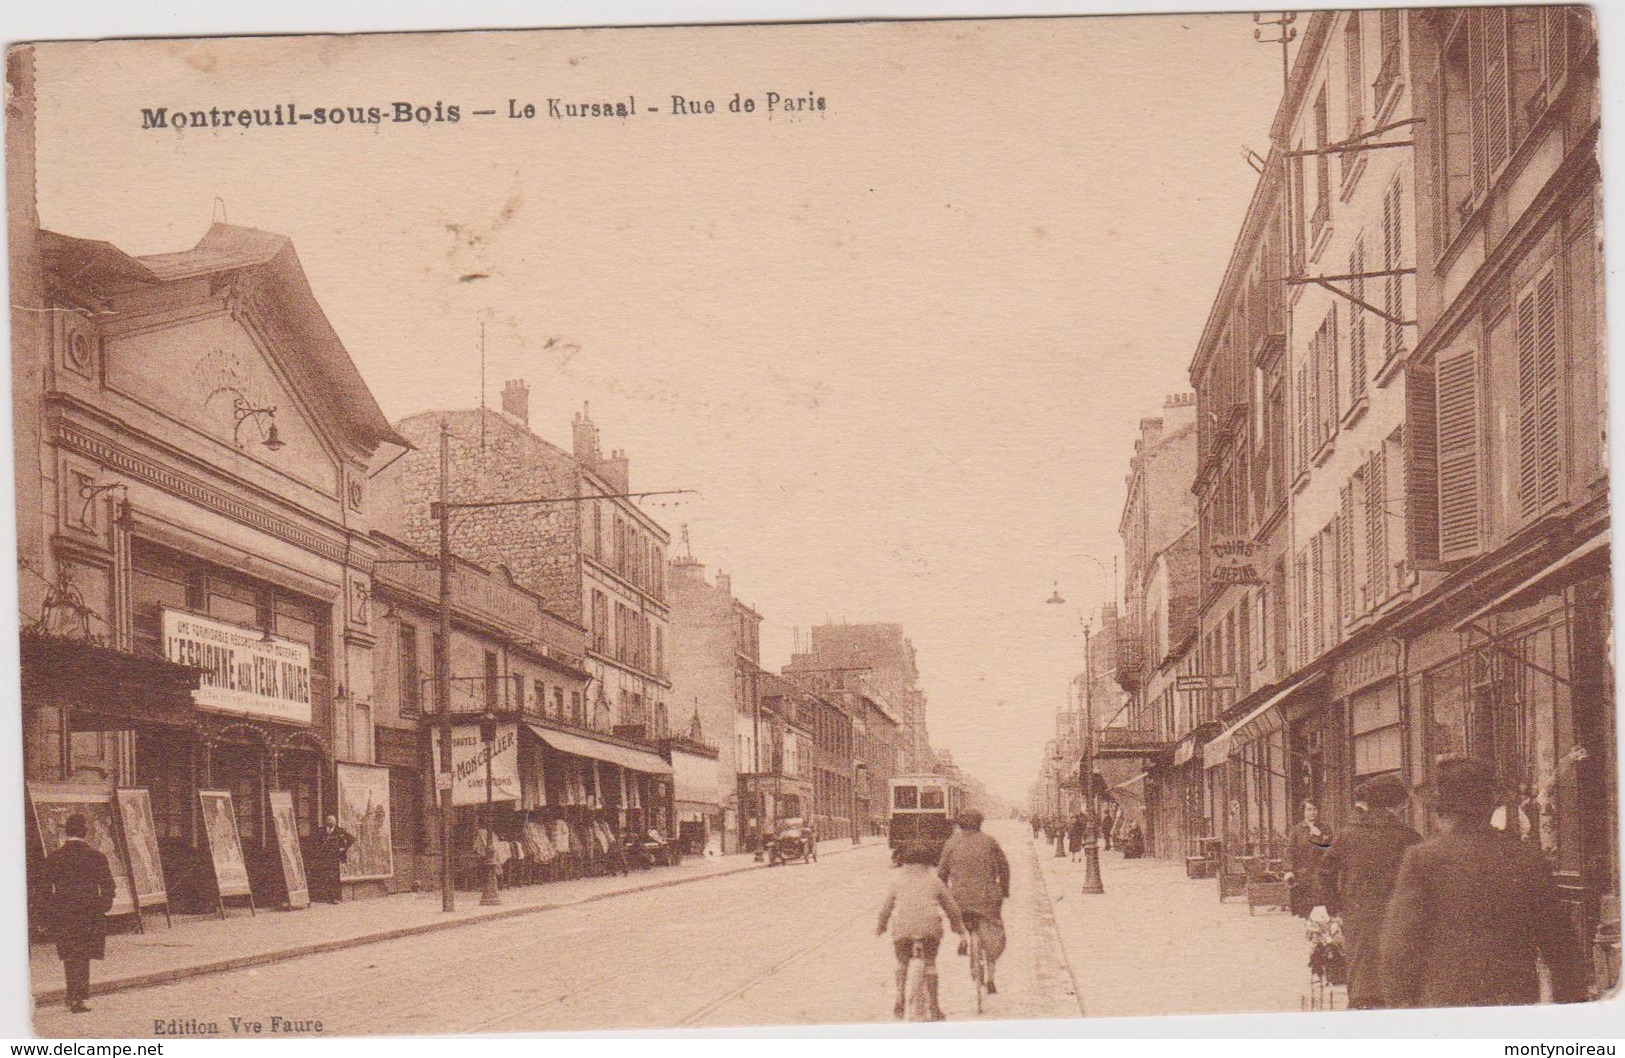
<point x="205" y="944"/>
<point x="1159" y="943"/>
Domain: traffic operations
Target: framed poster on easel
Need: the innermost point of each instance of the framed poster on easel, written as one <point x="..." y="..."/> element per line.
<point x="225" y="848"/>
<point x="55" y="802"/>
<point x="286" y="827"/>
<point x="141" y="844"/>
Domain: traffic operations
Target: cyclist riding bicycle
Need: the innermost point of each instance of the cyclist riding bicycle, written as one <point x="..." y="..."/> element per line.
<point x="914" y="908"/>
<point x="977" y="873"/>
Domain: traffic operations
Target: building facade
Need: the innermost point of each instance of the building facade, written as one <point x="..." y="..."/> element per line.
<point x="716" y="673"/>
<point x="194" y="522"/>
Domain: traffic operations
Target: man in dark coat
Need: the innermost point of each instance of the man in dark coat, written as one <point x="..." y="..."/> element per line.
<point x="332" y="848"/>
<point x="1357" y="877"/>
<point x="1473" y="907"/>
<point x="975" y="870"/>
<point x="79" y="893"/>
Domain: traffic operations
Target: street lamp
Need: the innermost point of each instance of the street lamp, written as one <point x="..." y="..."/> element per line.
<point x="491" y="895"/>
<point x="1093" y="884"/>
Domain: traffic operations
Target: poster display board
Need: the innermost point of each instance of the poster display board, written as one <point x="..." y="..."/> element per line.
<point x="54" y="802"/>
<point x="364" y="812"/>
<point x="141" y="842"/>
<point x="225" y="848"/>
<point x="286" y="827"/>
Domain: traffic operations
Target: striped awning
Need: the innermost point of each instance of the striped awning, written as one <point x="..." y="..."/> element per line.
<point x="1260" y="721"/>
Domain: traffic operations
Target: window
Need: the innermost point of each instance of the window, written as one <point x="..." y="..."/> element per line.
<point x="597" y="531"/>
<point x="660" y="651"/>
<point x="558" y="701"/>
<point x="1377" y="734"/>
<point x="1388" y="73"/>
<point x="1457" y="446"/>
<point x="1455" y="162"/>
<point x="1540" y="427"/>
<point x="493" y="681"/>
<point x="600" y="622"/>
<point x="538" y="697"/>
<point x="411" y="689"/>
<point x="906" y="797"/>
<point x="578" y="710"/>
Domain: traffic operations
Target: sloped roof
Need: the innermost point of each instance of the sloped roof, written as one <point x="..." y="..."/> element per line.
<point x="326" y="374"/>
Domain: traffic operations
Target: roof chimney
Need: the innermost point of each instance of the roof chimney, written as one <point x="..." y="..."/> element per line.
<point x="725" y="584"/>
<point x="516" y="399"/>
<point x="586" y="438"/>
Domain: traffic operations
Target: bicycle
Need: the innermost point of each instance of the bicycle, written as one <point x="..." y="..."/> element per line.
<point x="978" y="959"/>
<point x="917" y="1002"/>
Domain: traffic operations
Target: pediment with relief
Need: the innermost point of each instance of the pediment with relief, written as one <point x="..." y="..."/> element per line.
<point x="210" y="376"/>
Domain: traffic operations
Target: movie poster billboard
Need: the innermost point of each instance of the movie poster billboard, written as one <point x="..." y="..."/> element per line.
<point x="225" y="848"/>
<point x="55" y="802"/>
<point x="141" y="842"/>
<point x="285" y="825"/>
<point x="364" y="812"/>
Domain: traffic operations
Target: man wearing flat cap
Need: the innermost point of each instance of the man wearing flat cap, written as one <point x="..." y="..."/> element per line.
<point x="1357" y="877"/>
<point x="1473" y="907"/>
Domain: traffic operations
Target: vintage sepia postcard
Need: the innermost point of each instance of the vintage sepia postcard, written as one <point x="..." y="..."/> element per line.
<point x="805" y="524"/>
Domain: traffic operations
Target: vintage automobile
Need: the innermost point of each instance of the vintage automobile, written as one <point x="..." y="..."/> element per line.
<point x="794" y="841"/>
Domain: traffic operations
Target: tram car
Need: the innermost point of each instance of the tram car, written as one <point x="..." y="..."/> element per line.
<point x="923" y="808"/>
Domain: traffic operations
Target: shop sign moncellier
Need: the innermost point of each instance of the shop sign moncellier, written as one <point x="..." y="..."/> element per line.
<point x="469" y="752"/>
<point x="244" y="671"/>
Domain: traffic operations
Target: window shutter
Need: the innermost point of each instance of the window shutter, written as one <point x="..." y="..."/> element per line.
<point x="1345" y="554"/>
<point x="1303" y="608"/>
<point x="1556" y="34"/>
<point x="1528" y="408"/>
<point x="1457" y="446"/>
<point x="1354" y="69"/>
<point x="1376" y="526"/>
<point x="1317" y="590"/>
<point x="1421" y="466"/>
<point x="1477" y="116"/>
<point x="1495" y="87"/>
<point x="1393" y="285"/>
<point x="1357" y="365"/>
<point x="1330" y="352"/>
<point x="1302" y="401"/>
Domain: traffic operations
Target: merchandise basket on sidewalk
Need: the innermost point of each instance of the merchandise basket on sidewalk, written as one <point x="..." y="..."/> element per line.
<point x="1328" y="964"/>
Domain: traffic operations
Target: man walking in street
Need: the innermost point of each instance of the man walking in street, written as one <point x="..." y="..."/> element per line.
<point x="978" y="876"/>
<point x="79" y="893"/>
<point x="332" y="849"/>
<point x="1473" y="907"/>
<point x="1357" y="877"/>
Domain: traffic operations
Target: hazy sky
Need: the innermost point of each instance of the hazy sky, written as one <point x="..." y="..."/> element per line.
<point x="901" y="346"/>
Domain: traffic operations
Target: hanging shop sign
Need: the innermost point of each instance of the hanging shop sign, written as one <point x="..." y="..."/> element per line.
<point x="469" y="751"/>
<point x="1231" y="562"/>
<point x="244" y="672"/>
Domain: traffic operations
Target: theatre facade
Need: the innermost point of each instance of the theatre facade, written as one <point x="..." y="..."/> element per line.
<point x="195" y="557"/>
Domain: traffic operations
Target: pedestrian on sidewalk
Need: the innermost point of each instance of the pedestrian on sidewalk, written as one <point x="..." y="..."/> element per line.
<point x="79" y="893"/>
<point x="1357" y="877"/>
<point x="1076" y="832"/>
<point x="1109" y="814"/>
<point x="977" y="873"/>
<point x="914" y="908"/>
<point x="1474" y="907"/>
<point x="1306" y="848"/>
<point x="332" y="849"/>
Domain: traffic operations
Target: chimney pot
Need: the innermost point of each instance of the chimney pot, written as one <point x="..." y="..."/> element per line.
<point x="516" y="399"/>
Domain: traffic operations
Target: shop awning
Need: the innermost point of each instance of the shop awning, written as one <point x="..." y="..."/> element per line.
<point x="1259" y="721"/>
<point x="1586" y="559"/>
<point x="608" y="752"/>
